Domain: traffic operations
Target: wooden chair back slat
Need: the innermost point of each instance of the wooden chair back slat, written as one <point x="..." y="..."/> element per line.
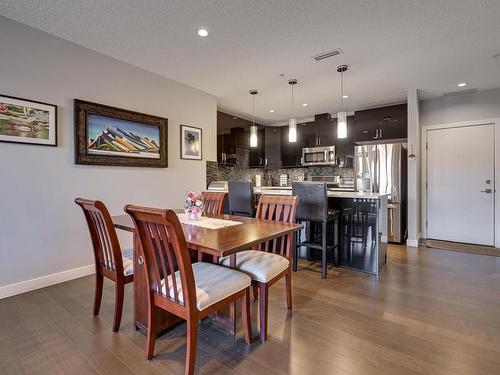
<point x="277" y="208"/>
<point x="164" y="250"/>
<point x="109" y="259"/>
<point x="214" y="202"/>
<point x="159" y="258"/>
<point x="170" y="260"/>
<point x="107" y="251"/>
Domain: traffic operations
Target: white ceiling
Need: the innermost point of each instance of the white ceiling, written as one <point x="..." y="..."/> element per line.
<point x="390" y="45"/>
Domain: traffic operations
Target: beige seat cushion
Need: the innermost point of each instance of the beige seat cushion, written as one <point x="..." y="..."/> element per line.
<point x="128" y="262"/>
<point x="259" y="265"/>
<point x="213" y="283"/>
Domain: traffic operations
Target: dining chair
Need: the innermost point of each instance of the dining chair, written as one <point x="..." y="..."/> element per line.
<point x="270" y="261"/>
<point x="110" y="261"/>
<point x="189" y="291"/>
<point x="213" y="202"/>
<point x="241" y="198"/>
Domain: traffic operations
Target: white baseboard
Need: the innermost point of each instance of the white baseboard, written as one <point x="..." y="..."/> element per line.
<point x="412" y="243"/>
<point x="42" y="282"/>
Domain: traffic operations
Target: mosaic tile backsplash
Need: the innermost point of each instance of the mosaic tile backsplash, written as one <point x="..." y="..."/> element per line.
<point x="241" y="171"/>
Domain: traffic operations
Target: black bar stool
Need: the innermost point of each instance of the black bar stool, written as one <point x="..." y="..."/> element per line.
<point x="241" y="198"/>
<point x="312" y="208"/>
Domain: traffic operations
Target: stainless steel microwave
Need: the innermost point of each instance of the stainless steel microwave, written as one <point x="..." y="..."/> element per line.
<point x="318" y="156"/>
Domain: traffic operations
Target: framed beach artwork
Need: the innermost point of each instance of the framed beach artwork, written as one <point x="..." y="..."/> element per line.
<point x="191" y="142"/>
<point x="112" y="136"/>
<point x="27" y="121"/>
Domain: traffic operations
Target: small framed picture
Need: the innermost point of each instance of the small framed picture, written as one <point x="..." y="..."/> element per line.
<point x="27" y="121"/>
<point x="191" y="142"/>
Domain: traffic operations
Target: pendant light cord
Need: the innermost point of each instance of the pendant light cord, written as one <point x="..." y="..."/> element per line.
<point x="292" y="99"/>
<point x="342" y="90"/>
<point x="253" y="110"/>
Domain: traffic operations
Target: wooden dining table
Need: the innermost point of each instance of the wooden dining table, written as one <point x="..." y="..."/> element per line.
<point x="217" y="243"/>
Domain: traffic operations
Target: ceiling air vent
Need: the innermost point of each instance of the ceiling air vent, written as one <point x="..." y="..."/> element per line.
<point x="327" y="55"/>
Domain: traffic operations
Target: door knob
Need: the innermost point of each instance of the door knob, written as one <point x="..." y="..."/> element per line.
<point x="488" y="182"/>
<point x="487" y="191"/>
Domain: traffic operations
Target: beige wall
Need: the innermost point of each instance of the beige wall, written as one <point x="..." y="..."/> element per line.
<point x="42" y="231"/>
<point x="469" y="106"/>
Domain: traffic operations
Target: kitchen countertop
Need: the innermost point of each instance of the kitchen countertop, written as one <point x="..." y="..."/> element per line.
<point x="276" y="190"/>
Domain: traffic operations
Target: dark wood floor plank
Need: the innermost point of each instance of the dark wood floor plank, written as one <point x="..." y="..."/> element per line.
<point x="429" y="312"/>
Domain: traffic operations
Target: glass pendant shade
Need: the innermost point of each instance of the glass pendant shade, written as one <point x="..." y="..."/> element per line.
<point x="342" y="124"/>
<point x="342" y="115"/>
<point x="292" y="130"/>
<point x="253" y="136"/>
<point x="253" y="128"/>
<point x="292" y="122"/>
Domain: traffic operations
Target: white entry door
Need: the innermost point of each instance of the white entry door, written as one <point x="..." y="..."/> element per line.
<point x="460" y="184"/>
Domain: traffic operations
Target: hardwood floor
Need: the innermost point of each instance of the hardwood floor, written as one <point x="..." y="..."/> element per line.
<point x="466" y="248"/>
<point x="429" y="312"/>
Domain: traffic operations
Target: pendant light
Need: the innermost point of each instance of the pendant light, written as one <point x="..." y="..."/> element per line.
<point x="342" y="115"/>
<point x="253" y="127"/>
<point x="292" y="122"/>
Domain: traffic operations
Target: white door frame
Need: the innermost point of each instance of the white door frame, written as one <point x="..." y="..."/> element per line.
<point x="423" y="179"/>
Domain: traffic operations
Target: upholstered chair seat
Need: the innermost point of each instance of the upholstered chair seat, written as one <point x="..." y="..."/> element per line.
<point x="128" y="262"/>
<point x="213" y="283"/>
<point x="259" y="265"/>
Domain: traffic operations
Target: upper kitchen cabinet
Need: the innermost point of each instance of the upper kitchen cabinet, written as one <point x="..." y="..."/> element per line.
<point x="291" y="153"/>
<point x="317" y="133"/>
<point x="231" y="132"/>
<point x="257" y="157"/>
<point x="382" y="123"/>
<point x="326" y="134"/>
<point x="272" y="146"/>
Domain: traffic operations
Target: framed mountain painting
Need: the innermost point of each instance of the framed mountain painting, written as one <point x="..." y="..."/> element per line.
<point x="112" y="136"/>
<point x="27" y="121"/>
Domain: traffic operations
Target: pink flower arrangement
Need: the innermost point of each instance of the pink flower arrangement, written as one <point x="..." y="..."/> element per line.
<point x="3" y="107"/>
<point x="193" y="205"/>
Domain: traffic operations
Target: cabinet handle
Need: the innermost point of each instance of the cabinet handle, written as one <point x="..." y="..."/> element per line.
<point x="376" y="134"/>
<point x="265" y="162"/>
<point x="380" y="133"/>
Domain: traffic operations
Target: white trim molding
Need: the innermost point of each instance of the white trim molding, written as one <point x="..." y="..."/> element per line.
<point x="411" y="243"/>
<point x="44" y="281"/>
<point x="496" y="122"/>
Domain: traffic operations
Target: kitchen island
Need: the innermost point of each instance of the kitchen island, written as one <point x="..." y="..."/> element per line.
<point x="362" y="227"/>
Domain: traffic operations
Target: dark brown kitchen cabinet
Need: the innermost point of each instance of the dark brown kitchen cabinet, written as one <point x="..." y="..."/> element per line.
<point x="257" y="154"/>
<point x="272" y="146"/>
<point x="326" y="134"/>
<point x="344" y="147"/>
<point x="381" y="123"/>
<point x="291" y="152"/>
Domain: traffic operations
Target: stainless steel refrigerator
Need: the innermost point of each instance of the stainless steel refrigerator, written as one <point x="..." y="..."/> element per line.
<point x="381" y="168"/>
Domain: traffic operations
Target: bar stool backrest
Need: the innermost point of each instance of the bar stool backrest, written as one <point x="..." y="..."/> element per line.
<point x="313" y="201"/>
<point x="241" y="198"/>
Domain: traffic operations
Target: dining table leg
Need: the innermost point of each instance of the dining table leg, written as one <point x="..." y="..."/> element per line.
<point x="232" y="306"/>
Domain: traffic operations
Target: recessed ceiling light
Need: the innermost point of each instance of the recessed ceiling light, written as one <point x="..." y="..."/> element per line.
<point x="202" y="32"/>
<point x="345" y="96"/>
<point x="271" y="110"/>
<point x="462" y="84"/>
<point x="304" y="105"/>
